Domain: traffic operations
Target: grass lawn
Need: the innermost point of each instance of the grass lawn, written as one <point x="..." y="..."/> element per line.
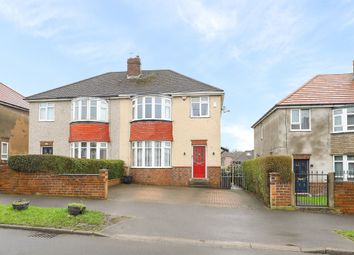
<point x="52" y="218"/>
<point x="346" y="233"/>
<point x="314" y="200"/>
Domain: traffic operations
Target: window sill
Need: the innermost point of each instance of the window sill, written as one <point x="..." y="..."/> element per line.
<point x="46" y="120"/>
<point x="300" y="130"/>
<point x="199" y="117"/>
<point x="342" y="132"/>
<point x="89" y="121"/>
<point x="136" y="120"/>
<point x="151" y="167"/>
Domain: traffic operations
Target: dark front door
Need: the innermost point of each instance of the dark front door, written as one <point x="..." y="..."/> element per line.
<point x="47" y="150"/>
<point x="301" y="170"/>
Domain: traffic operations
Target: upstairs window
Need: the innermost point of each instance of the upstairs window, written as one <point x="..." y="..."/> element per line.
<point x="343" y="120"/>
<point x="4" y="151"/>
<point x="200" y="106"/>
<point x="300" y="120"/>
<point x="89" y="109"/>
<point x="46" y="111"/>
<point x="151" y="107"/>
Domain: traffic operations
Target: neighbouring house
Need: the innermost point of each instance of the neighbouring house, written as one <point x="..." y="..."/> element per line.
<point x="315" y="125"/>
<point x="164" y="125"/>
<point x="235" y="157"/>
<point x="13" y="123"/>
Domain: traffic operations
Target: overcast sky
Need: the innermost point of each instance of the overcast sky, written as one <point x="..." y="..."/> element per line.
<point x="257" y="51"/>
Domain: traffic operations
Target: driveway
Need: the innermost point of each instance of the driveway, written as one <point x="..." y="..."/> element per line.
<point x="209" y="214"/>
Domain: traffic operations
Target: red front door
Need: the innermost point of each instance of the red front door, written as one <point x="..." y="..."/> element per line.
<point x="198" y="161"/>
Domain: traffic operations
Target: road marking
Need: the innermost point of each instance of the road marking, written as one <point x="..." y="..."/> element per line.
<point x="206" y="243"/>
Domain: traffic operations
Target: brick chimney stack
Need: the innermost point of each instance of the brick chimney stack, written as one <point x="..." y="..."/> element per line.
<point x="134" y="70"/>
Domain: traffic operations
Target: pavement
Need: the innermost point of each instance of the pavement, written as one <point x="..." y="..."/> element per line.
<point x="208" y="215"/>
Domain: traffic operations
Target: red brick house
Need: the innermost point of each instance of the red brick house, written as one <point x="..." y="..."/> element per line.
<point x="164" y="125"/>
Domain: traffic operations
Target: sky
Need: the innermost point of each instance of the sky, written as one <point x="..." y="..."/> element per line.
<point x="257" y="51"/>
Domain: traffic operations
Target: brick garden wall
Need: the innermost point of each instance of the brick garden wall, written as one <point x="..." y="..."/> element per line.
<point x="176" y="176"/>
<point x="344" y="196"/>
<point x="87" y="186"/>
<point x="280" y="193"/>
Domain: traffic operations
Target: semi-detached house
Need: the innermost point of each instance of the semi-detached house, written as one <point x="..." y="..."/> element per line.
<point x="314" y="125"/>
<point x="164" y="125"/>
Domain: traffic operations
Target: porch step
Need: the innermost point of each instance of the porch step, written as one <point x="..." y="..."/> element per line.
<point x="199" y="183"/>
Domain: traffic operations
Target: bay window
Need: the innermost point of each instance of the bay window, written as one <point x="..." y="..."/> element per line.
<point x="91" y="150"/>
<point x="151" y="107"/>
<point x="151" y="154"/>
<point x="89" y="109"/>
<point x="343" y="120"/>
<point x="344" y="166"/>
<point x="300" y="120"/>
<point x="200" y="106"/>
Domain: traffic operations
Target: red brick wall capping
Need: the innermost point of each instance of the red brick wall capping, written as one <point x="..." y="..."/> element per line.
<point x="151" y="131"/>
<point x="199" y="142"/>
<point x="89" y="131"/>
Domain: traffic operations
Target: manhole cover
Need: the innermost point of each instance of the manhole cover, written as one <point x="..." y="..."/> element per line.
<point x="45" y="235"/>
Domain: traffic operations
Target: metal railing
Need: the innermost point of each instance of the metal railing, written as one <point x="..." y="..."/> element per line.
<point x="232" y="177"/>
<point x="311" y="189"/>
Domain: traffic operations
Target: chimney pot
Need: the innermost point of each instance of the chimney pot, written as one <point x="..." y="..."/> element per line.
<point x="133" y="70"/>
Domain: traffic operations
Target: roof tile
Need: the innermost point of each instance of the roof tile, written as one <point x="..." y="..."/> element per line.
<point x="10" y="96"/>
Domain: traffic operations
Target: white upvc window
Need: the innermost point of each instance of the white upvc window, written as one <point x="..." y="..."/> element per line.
<point x="343" y="120"/>
<point x="4" y="150"/>
<point x="200" y="106"/>
<point x="151" y="154"/>
<point x="90" y="150"/>
<point x="46" y="112"/>
<point x="344" y="166"/>
<point x="151" y="107"/>
<point x="89" y="109"/>
<point x="300" y="120"/>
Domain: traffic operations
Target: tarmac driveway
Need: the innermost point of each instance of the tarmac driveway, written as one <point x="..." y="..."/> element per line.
<point x="209" y="214"/>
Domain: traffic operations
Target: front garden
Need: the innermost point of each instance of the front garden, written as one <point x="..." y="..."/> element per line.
<point x="52" y="218"/>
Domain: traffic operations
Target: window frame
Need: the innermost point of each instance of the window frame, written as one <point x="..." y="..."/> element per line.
<point x="300" y="120"/>
<point x="200" y="107"/>
<point x="163" y="147"/>
<point x="344" y="120"/>
<point x="88" y="149"/>
<point x="5" y="156"/>
<point x="165" y="102"/>
<point x="345" y="162"/>
<point x="46" y="105"/>
<point x="101" y="104"/>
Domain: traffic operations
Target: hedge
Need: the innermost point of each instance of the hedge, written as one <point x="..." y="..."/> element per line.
<point x="256" y="173"/>
<point x="65" y="165"/>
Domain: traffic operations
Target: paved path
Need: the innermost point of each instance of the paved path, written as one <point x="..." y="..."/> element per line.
<point x="209" y="214"/>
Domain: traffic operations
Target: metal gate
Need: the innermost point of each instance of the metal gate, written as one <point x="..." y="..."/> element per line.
<point x="311" y="189"/>
<point x="231" y="177"/>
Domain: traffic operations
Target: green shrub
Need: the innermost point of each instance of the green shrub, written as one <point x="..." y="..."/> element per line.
<point x="256" y="173"/>
<point x="65" y="165"/>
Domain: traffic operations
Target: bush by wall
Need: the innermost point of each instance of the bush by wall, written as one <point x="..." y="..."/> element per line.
<point x="65" y="165"/>
<point x="256" y="173"/>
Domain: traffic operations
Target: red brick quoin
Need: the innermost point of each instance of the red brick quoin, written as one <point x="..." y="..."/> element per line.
<point x="98" y="132"/>
<point x="151" y="130"/>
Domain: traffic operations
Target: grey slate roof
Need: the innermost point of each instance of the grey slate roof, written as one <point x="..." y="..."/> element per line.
<point x="116" y="83"/>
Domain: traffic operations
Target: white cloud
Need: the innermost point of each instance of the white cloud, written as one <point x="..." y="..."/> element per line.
<point x="209" y="21"/>
<point x="242" y="136"/>
<point x="41" y="18"/>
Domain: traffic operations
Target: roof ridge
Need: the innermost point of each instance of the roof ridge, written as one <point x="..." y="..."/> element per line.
<point x="70" y="84"/>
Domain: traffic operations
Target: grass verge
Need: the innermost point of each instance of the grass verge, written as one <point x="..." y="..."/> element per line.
<point x="346" y="233"/>
<point x="52" y="218"/>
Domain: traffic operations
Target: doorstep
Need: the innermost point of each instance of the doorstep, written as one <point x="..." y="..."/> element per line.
<point x="199" y="183"/>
